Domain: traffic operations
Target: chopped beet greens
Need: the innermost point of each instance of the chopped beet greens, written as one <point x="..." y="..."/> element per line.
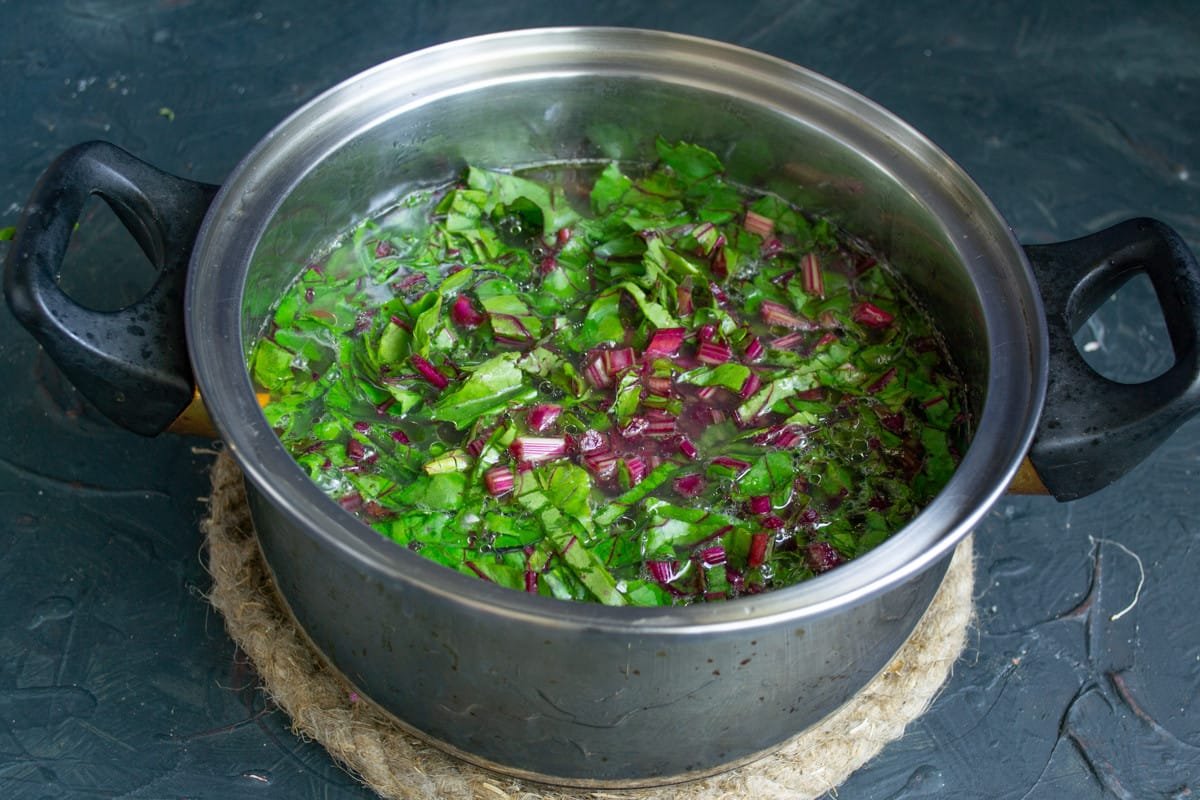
<point x="642" y="388"/>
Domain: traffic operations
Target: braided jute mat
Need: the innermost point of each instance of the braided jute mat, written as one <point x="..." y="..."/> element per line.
<point x="398" y="766"/>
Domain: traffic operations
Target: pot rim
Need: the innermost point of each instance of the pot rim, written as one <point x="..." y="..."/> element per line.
<point x="1016" y="382"/>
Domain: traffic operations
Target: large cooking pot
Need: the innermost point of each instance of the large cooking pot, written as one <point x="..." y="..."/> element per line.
<point x="575" y="693"/>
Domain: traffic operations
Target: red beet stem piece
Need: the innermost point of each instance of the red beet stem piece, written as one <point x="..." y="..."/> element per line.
<point x="542" y="416"/>
<point x="714" y="353"/>
<point x="812" y="277"/>
<point x="464" y="313"/>
<point x="758" y="549"/>
<point x="821" y="557"/>
<point x="499" y="480"/>
<point x="774" y="313"/>
<point x="429" y="372"/>
<point x="871" y="315"/>
<point x="689" y="485"/>
<point x="758" y="224"/>
<point x="538" y="448"/>
<point x="760" y="504"/>
<point x="665" y="342"/>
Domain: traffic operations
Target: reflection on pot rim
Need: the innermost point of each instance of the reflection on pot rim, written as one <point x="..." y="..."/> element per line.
<point x="351" y="135"/>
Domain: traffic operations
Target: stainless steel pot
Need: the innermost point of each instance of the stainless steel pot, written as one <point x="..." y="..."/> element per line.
<point x="574" y="693"/>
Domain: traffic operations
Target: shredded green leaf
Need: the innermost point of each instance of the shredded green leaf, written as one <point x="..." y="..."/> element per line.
<point x="634" y="387"/>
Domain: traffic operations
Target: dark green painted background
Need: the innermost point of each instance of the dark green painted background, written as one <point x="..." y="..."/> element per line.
<point x="117" y="680"/>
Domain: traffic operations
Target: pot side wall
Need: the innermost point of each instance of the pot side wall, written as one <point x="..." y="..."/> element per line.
<point x="581" y="705"/>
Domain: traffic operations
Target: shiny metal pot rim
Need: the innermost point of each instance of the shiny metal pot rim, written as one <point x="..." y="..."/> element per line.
<point x="1012" y="316"/>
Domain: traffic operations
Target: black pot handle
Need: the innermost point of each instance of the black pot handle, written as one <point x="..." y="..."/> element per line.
<point x="1094" y="430"/>
<point x="132" y="364"/>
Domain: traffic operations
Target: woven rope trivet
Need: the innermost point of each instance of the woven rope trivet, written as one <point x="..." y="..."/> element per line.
<point x="363" y="738"/>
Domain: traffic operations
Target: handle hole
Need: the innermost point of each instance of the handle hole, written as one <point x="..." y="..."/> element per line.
<point x="1126" y="338"/>
<point x="104" y="269"/>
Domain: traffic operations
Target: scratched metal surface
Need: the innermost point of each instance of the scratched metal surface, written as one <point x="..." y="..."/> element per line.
<point x="116" y="680"/>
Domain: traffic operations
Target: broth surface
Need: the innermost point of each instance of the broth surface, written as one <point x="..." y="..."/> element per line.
<point x="648" y="388"/>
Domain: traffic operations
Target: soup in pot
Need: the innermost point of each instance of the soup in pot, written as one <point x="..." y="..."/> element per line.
<point x="644" y="386"/>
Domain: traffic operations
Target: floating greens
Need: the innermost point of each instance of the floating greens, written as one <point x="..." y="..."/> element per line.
<point x="643" y="388"/>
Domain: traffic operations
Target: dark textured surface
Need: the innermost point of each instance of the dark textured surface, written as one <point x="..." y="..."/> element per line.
<point x="116" y="680"/>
